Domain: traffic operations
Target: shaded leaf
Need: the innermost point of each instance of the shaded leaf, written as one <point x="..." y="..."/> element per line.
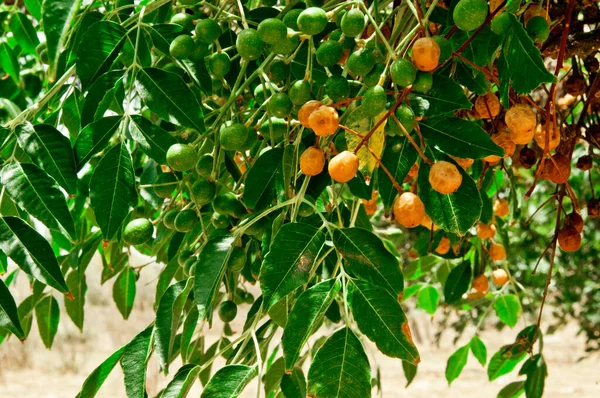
<point x="9" y="62"/>
<point x="47" y="316"/>
<point x="182" y="382"/>
<point x="445" y="96"/>
<point x="294" y="385"/>
<point x="24" y="32"/>
<point x="512" y="390"/>
<point x="133" y="362"/>
<point x="260" y="181"/>
<point x="456" y="363"/>
<point x="536" y="370"/>
<point x="9" y="317"/>
<point x="98" y="91"/>
<point x="458" y="282"/>
<point x="410" y="372"/>
<point x="228" y="382"/>
<point x="57" y="17"/>
<point x="94" y="138"/>
<point x="154" y="141"/>
<point x="503" y="362"/>
<point x="124" y="291"/>
<point x="94" y="381"/>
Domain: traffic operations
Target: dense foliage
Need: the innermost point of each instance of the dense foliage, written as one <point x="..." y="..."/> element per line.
<point x="352" y="159"/>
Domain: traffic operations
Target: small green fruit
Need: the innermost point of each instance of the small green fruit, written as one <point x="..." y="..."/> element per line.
<point x="207" y="30"/>
<point x="186" y="220"/>
<point x="184" y="20"/>
<point x="500" y="25"/>
<point x="280" y="105"/>
<point x="329" y="53"/>
<point x="538" y="29"/>
<point x="300" y="92"/>
<point x="337" y="88"/>
<point x="219" y="64"/>
<point x="403" y="72"/>
<point x="204" y="165"/>
<point x="272" y="30"/>
<point x="182" y="47"/>
<point x="423" y="82"/>
<point x="237" y="259"/>
<point x="169" y="218"/>
<point x="249" y="44"/>
<point x="203" y="191"/>
<point x="353" y="22"/>
<point x="290" y="19"/>
<point x="233" y="137"/>
<point x="181" y="157"/>
<point x="164" y="185"/>
<point x="360" y="62"/>
<point x="225" y="203"/>
<point x="227" y="311"/>
<point x="468" y="15"/>
<point x="312" y="21"/>
<point x="138" y="231"/>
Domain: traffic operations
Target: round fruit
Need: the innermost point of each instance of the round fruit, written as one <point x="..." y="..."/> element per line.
<point x="201" y="51"/>
<point x="485" y="231"/>
<point x="183" y="256"/>
<point x="423" y="82"/>
<point x="569" y="239"/>
<point x="538" y="29"/>
<point x="204" y="165"/>
<point x="184" y="20"/>
<point x="584" y="163"/>
<point x="280" y="105"/>
<point x="237" y="259"/>
<point x="278" y="71"/>
<point x="272" y="30"/>
<point x="527" y="157"/>
<point x="445" y="47"/>
<point x="324" y="121"/>
<point x="305" y="210"/>
<point x="138" y="231"/>
<point x="189" y="266"/>
<point x="371" y="79"/>
<point x="378" y="50"/>
<point x="343" y="167"/>
<point x="207" y="30"/>
<point x="406" y="117"/>
<point x="312" y="161"/>
<point x="306" y="110"/>
<point x="374" y="101"/>
<point x="249" y="44"/>
<point x="403" y="72"/>
<point x="360" y="62"/>
<point x="329" y="53"/>
<point x="219" y="64"/>
<point x="169" y="218"/>
<point x="521" y="122"/>
<point x="290" y="19"/>
<point x="227" y="311"/>
<point x="428" y="223"/>
<point x="347" y="42"/>
<point x="499" y="277"/>
<point x="481" y="283"/>
<point x="203" y="191"/>
<point x="274" y="128"/>
<point x="593" y="208"/>
<point x="220" y="220"/>
<point x="312" y="21"/>
<point x="409" y="210"/>
<point x="497" y="252"/>
<point x="575" y="220"/>
<point x="300" y="92"/>
<point x="558" y="168"/>
<point x="181" y="157"/>
<point x="233" y="137"/>
<point x="500" y="25"/>
<point x="443" y="247"/>
<point x="444" y="177"/>
<point x="353" y="22"/>
<point x="286" y="46"/>
<point x="540" y="136"/>
<point x="470" y="14"/>
<point x="164" y="185"/>
<point x="181" y="47"/>
<point x="487" y="106"/>
<point x="337" y="88"/>
<point x="263" y="91"/>
<point x="225" y="203"/>
<point x="504" y="140"/>
<point x="186" y="220"/>
<point x="426" y="54"/>
<point x="501" y="207"/>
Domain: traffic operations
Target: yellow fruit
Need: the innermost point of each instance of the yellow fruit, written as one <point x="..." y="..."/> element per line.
<point x="499" y="277"/>
<point x="443" y="247"/>
<point x="343" y="167"/>
<point x="504" y="140"/>
<point x="409" y="210"/>
<point x="312" y="161"/>
<point x="306" y="110"/>
<point x="444" y="177"/>
<point x="487" y="106"/>
<point x="497" y="252"/>
<point x="521" y="122"/>
<point x="485" y="231"/>
<point x="324" y="121"/>
<point x="480" y="283"/>
<point x="501" y="207"/>
<point x="540" y="137"/>
<point x="425" y="54"/>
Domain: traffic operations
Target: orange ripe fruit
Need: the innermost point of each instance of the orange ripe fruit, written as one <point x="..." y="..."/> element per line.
<point x="487" y="106"/>
<point x="306" y="110"/>
<point x="575" y="220"/>
<point x="521" y="122"/>
<point x="409" y="210"/>
<point x="553" y="139"/>
<point x="502" y="139"/>
<point x="485" y="231"/>
<point x="443" y="247"/>
<point x="343" y="166"/>
<point x="324" y="121"/>
<point x="480" y="283"/>
<point x="427" y="223"/>
<point x="312" y="161"/>
<point x="444" y="177"/>
<point x="463" y="162"/>
<point x="569" y="239"/>
<point x="558" y="169"/>
<point x="497" y="252"/>
<point x="499" y="277"/>
<point x="425" y="54"/>
<point x="501" y="207"/>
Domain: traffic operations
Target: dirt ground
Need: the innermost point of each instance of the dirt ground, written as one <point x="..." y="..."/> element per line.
<point x="28" y="370"/>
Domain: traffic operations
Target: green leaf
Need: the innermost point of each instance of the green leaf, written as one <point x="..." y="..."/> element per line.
<point x="512" y="390"/>
<point x="95" y="104"/>
<point x="78" y="287"/>
<point x="508" y="309"/>
<point x="35" y="8"/>
<point x="536" y="370"/>
<point x="479" y="350"/>
<point x="24" y="32"/>
<point x="228" y="382"/>
<point x="260" y="181"/>
<point x="366" y="257"/>
<point x="9" y="62"/>
<point x="458" y="282"/>
<point x="183" y="381"/>
<point x="456" y="363"/>
<point x="32" y="253"/>
<point x="287" y="266"/>
<point x="154" y="141"/>
<point x="37" y="193"/>
<point x="459" y="137"/>
<point x="456" y="212"/>
<point x="133" y="362"/>
<point x="94" y="381"/>
<point x="52" y="151"/>
<point x="58" y="15"/>
<point x="47" y="316"/>
<point x="340" y="368"/>
<point x="93" y="138"/>
<point x="410" y="371"/>
<point x="187" y="333"/>
<point x="167" y="95"/>
<point x="293" y="385"/>
<point x="112" y="190"/>
<point x="503" y="362"/>
<point x="102" y="44"/>
<point x="428" y="299"/>
<point x="524" y="64"/>
<point x="398" y="157"/>
<point x="124" y="291"/>
<point x="164" y="279"/>
<point x="272" y="378"/>
<point x="163" y="34"/>
<point x="445" y="96"/>
<point x="9" y="317"/>
<point x="167" y="320"/>
<point x="305" y="317"/>
<point x="381" y="318"/>
<point x="210" y="268"/>
<point x="471" y="78"/>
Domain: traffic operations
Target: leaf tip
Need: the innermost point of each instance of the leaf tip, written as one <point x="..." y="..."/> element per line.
<point x="69" y="295"/>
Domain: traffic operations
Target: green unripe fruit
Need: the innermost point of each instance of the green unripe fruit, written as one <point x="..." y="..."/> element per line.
<point x="272" y="30"/>
<point x="305" y="210"/>
<point x="138" y="231"/>
<point x="219" y="64"/>
<point x="468" y="15"/>
<point x="312" y="21"/>
<point x="237" y="259"/>
<point x="329" y="53"/>
<point x="169" y="218"/>
<point x="286" y="46"/>
<point x="44" y="58"/>
<point x="406" y="117"/>
<point x="538" y="29"/>
<point x="181" y="157"/>
<point x="249" y="44"/>
<point x="337" y="88"/>
<point x="347" y="42"/>
<point x="500" y="25"/>
<point x="290" y="19"/>
<point x="300" y="92"/>
<point x="207" y="30"/>
<point x="233" y="137"/>
<point x="250" y="141"/>
<point x="174" y="68"/>
<point x="259" y="92"/>
<point x="184" y="20"/>
<point x="164" y="185"/>
<point x="340" y="142"/>
<point x="248" y="298"/>
<point x="423" y="82"/>
<point x="279" y="71"/>
<point x="225" y="203"/>
<point x="201" y="50"/>
<point x="189" y="266"/>
<point x="181" y="47"/>
<point x="203" y="191"/>
<point x="371" y="79"/>
<point x="186" y="220"/>
<point x="445" y="47"/>
<point x="403" y="72"/>
<point x="374" y="101"/>
<point x="220" y="220"/>
<point x="360" y="62"/>
<point x="204" y="165"/>
<point x="280" y="105"/>
<point x="353" y="22"/>
<point x="227" y="311"/>
<point x="183" y="256"/>
<point x="378" y="50"/>
<point x="274" y="130"/>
